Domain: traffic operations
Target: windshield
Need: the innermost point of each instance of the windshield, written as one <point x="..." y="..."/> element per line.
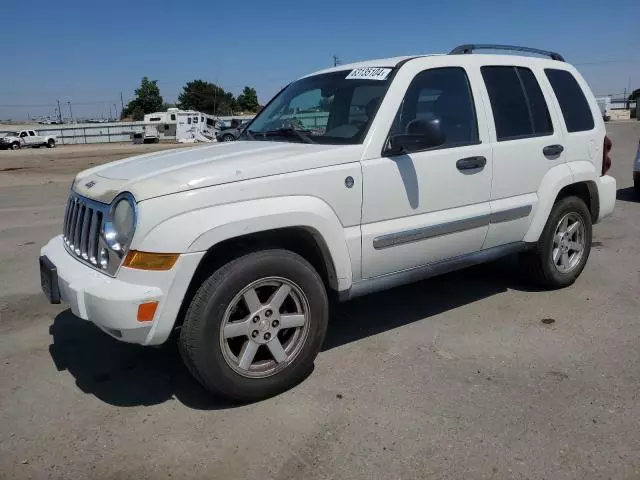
<point x="330" y="108"/>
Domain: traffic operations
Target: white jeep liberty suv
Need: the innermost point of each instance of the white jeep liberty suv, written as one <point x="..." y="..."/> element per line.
<point x="352" y="179"/>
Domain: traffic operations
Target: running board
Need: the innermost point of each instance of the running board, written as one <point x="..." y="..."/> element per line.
<point x="384" y="282"/>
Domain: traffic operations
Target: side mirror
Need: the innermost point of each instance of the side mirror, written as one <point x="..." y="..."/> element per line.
<point x="420" y="135"/>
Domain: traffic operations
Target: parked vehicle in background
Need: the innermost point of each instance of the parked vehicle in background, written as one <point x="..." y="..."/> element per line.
<point x="604" y="103"/>
<point x="176" y="123"/>
<point x="231" y="133"/>
<point x="26" y="138"/>
<point x="150" y="134"/>
<point x="636" y="172"/>
<point x="418" y="166"/>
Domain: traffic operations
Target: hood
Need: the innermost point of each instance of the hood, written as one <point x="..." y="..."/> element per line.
<point x="181" y="169"/>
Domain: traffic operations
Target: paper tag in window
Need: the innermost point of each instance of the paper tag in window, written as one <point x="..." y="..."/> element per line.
<point x="369" y="73"/>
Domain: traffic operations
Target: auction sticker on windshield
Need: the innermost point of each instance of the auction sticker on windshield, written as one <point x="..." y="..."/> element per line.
<point x="369" y="73"/>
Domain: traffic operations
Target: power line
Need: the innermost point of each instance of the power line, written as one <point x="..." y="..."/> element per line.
<point x="604" y="62"/>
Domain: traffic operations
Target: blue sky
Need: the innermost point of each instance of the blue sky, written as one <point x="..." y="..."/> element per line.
<point x="90" y="51"/>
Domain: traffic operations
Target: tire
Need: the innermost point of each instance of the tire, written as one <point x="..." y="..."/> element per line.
<point x="16" y="146"/>
<point x="636" y="186"/>
<point x="215" y="361"/>
<point x="51" y="143"/>
<point x="228" y="138"/>
<point x="542" y="267"/>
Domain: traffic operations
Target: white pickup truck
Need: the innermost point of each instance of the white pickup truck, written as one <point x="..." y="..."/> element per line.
<point x="26" y="138"/>
<point x="351" y="180"/>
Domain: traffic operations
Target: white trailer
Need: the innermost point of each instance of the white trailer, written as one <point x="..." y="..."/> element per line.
<point x="183" y="124"/>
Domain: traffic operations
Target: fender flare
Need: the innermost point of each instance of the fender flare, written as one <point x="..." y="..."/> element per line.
<point x="199" y="230"/>
<point x="552" y="183"/>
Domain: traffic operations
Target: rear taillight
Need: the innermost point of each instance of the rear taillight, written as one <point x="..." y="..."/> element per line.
<point x="606" y="160"/>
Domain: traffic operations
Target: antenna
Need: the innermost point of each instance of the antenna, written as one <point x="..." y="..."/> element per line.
<point x="336" y="60"/>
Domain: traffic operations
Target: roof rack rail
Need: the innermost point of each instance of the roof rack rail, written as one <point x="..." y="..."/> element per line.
<point x="469" y="48"/>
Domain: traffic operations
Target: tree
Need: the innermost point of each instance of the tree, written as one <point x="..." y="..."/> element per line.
<point x="148" y="100"/>
<point x="248" y="100"/>
<point x="206" y="97"/>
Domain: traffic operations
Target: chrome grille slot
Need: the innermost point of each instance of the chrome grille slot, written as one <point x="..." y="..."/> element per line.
<point x="92" y="239"/>
<point x="83" y="223"/>
<point x="76" y="229"/>
<point x="84" y="235"/>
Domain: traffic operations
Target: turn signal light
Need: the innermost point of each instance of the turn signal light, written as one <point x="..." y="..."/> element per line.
<point x="150" y="261"/>
<point x="146" y="311"/>
<point x="606" y="159"/>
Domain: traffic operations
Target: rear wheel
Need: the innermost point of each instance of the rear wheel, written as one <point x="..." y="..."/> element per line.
<point x="51" y="143"/>
<point x="256" y="325"/>
<point x="228" y="138"/>
<point x="564" y="245"/>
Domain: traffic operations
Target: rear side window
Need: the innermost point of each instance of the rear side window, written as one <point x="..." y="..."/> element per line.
<point x="575" y="108"/>
<point x="519" y="108"/>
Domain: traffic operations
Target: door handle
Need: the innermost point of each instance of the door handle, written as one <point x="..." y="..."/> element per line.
<point x="471" y="163"/>
<point x="552" y="150"/>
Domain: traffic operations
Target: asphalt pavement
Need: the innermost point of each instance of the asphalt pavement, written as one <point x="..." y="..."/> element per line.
<point x="471" y="375"/>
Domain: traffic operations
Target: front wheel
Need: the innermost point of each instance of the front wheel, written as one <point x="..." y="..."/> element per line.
<point x="15" y="146"/>
<point x="228" y="138"/>
<point x="564" y="245"/>
<point x="255" y="325"/>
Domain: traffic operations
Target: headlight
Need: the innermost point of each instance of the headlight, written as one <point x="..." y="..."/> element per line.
<point x="121" y="223"/>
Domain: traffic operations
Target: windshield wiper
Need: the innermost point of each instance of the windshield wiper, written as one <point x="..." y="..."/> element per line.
<point x="285" y="131"/>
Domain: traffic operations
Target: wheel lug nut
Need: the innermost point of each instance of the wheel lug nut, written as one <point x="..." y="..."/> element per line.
<point x="275" y="323"/>
<point x="254" y="334"/>
<point x="267" y="336"/>
<point x="268" y="313"/>
<point x="256" y="319"/>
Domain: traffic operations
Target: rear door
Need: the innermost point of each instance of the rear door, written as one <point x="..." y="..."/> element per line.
<point x="527" y="143"/>
<point x="32" y="138"/>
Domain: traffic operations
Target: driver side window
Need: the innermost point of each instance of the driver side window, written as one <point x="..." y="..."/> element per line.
<point x="444" y="95"/>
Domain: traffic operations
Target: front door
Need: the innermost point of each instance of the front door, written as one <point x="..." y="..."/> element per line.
<point x="421" y="207"/>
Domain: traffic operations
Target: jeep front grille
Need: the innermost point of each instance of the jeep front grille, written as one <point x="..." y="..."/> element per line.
<point x="83" y="222"/>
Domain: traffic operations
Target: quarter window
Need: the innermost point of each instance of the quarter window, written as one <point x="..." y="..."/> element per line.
<point x="519" y="108"/>
<point x="575" y="108"/>
<point x="440" y="94"/>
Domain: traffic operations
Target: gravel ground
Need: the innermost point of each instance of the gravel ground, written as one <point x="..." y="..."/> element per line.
<point x="469" y="375"/>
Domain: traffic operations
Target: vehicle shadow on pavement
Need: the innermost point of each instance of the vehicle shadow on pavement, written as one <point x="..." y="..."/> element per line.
<point x="628" y="195"/>
<point x="124" y="375"/>
<point x="383" y="311"/>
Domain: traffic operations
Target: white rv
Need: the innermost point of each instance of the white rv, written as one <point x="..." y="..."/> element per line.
<point x="183" y="124"/>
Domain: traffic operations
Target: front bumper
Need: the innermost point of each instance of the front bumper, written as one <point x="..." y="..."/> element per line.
<point x="112" y="303"/>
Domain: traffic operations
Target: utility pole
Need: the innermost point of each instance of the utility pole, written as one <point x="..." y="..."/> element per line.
<point x="121" y="102"/>
<point x="70" y="111"/>
<point x="115" y="111"/>
<point x="336" y="60"/>
<point x="59" y="112"/>
<point x="215" y="98"/>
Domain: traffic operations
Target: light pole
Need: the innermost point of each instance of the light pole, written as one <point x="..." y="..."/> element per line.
<point x="70" y="111"/>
